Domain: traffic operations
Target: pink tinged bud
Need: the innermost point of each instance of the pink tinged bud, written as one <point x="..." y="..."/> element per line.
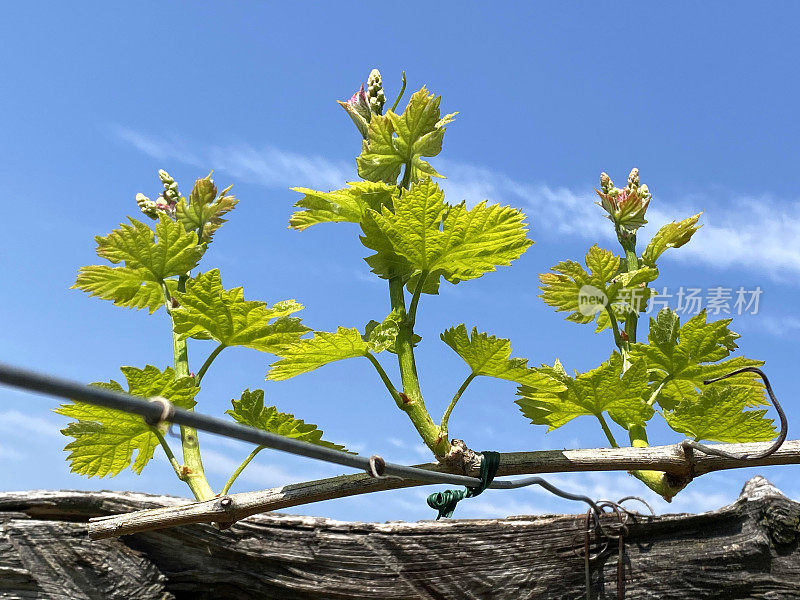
<point x="164" y="206"/>
<point x="360" y="102"/>
<point x="358" y="109"/>
<point x="625" y="207"/>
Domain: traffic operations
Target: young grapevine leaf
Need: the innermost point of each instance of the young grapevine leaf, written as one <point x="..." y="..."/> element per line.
<point x="345" y="205"/>
<point x="170" y="251"/>
<point x="424" y="234"/>
<point x="250" y="410"/>
<point x="394" y="140"/>
<point x="106" y="439"/>
<point x="679" y="358"/>
<point x="718" y="415"/>
<point x="204" y="211"/>
<point x="208" y="311"/>
<point x="569" y="284"/>
<point x="491" y="356"/>
<point x="129" y="288"/>
<point x="311" y="353"/>
<point x="381" y="336"/>
<point x="671" y="235"/>
<point x="604" y="389"/>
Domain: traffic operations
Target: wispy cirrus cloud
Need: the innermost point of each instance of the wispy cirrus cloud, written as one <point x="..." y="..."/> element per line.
<point x="757" y="233"/>
<point x="19" y="424"/>
<point x="264" y="165"/>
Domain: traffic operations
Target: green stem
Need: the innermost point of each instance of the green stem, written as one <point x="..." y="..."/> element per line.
<point x="661" y="483"/>
<point x="607" y="431"/>
<point x="406" y="182"/>
<point x="207" y="364"/>
<point x="412" y="402"/>
<point x="385" y="378"/>
<point x="168" y="451"/>
<point x="654" y="395"/>
<point x="412" y="310"/>
<point x="193" y="472"/>
<point x="239" y="470"/>
<point x="632" y="263"/>
<point x="400" y="95"/>
<point x="615" y="328"/>
<point x="454" y="401"/>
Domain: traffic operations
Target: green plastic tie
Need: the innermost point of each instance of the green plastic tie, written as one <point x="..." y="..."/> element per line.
<point x="445" y="502"/>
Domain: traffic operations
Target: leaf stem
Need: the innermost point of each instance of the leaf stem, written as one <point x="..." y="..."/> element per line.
<point x="412" y="310"/>
<point x="207" y="364"/>
<point x="631" y="264"/>
<point x="239" y="469"/>
<point x="657" y="391"/>
<point x="607" y="431"/>
<point x="615" y="328"/>
<point x="453" y="402"/>
<point x="385" y="378"/>
<point x="168" y="451"/>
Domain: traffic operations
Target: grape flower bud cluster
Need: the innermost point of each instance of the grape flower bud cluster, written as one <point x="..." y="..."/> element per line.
<point x="166" y="201"/>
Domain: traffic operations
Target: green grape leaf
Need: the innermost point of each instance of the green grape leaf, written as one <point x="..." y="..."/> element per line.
<point x="672" y="347"/>
<point x="719" y="415"/>
<point x="679" y="358"/>
<point x="569" y="288"/>
<point x="250" y="410"/>
<point x="491" y="356"/>
<point x="585" y="295"/>
<point x="623" y="397"/>
<point x="602" y="263"/>
<point x="308" y="354"/>
<point x="170" y="251"/>
<point x="204" y="211"/>
<point x="106" y="439"/>
<point x="637" y="276"/>
<point x="126" y="287"/>
<point x="208" y="311"/>
<point x="394" y="140"/>
<point x="671" y="235"/>
<point x="424" y="234"/>
<point x="345" y="205"/>
<point x="381" y="336"/>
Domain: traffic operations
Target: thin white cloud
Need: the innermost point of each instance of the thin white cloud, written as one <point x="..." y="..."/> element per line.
<point x="14" y="422"/>
<point x="761" y="234"/>
<point x="266" y="165"/>
<point x="786" y="327"/>
<point x="257" y="474"/>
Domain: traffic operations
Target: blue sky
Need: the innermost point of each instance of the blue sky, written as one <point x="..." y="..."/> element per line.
<point x="97" y="97"/>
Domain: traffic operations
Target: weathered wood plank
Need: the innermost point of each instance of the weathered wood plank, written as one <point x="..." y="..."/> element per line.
<point x="746" y="550"/>
<point x="671" y="459"/>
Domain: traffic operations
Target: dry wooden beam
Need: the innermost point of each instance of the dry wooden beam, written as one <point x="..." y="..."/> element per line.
<point x="748" y="549"/>
<point x="231" y="508"/>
